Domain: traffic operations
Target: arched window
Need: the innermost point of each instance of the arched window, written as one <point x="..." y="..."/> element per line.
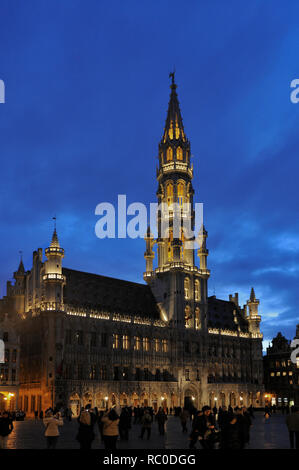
<point x="169" y="154"/>
<point x="196" y="289"/>
<point x="170" y="132"/>
<point x="182" y="238"/>
<point x="181" y="193"/>
<point x="169" y="247"/>
<point x="187" y="287"/>
<point x="177" y="129"/>
<point x="188" y="314"/>
<point x="197" y="318"/>
<point x="169" y="193"/>
<point x="179" y="153"/>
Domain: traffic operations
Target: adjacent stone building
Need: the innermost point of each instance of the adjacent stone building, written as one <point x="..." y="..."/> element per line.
<point x="281" y="374"/>
<point x="88" y="338"/>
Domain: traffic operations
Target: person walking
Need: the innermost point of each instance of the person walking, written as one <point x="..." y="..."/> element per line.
<point x="110" y="422"/>
<point x="85" y="434"/>
<point x="52" y="422"/>
<point x="195" y="429"/>
<point x="161" y="419"/>
<point x="184" y="415"/>
<point x="6" y="427"/>
<point x="146" y="424"/>
<point x="36" y="416"/>
<point x="292" y="421"/>
<point x="124" y="424"/>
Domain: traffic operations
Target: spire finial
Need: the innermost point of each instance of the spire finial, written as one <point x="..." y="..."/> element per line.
<point x="21" y="255"/>
<point x="54" y="218"/>
<point x="172" y="76"/>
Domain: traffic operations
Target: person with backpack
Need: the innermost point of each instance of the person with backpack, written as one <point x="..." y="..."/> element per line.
<point x="52" y="422"/>
<point x="86" y="422"/>
<point x="110" y="422"/>
<point x="146" y="424"/>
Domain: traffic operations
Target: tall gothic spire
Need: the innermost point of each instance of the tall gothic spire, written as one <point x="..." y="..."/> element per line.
<point x="174" y="129"/>
<point x="55" y="241"/>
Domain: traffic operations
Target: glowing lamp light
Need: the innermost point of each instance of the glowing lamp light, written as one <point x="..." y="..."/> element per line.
<point x="162" y="398"/>
<point x="215" y="398"/>
<point x="193" y="398"/>
<point x="106" y="398"/>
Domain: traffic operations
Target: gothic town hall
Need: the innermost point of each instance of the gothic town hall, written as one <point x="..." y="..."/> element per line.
<point x="87" y="338"/>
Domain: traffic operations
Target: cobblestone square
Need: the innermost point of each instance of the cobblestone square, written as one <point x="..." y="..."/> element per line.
<point x="30" y="435"/>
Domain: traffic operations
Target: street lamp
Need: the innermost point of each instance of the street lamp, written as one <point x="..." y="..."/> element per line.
<point x="106" y="400"/>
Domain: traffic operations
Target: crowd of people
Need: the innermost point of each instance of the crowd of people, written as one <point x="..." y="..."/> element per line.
<point x="224" y="428"/>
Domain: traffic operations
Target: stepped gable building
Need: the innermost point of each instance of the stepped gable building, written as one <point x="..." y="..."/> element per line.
<point x="281" y="375"/>
<point x="87" y="338"/>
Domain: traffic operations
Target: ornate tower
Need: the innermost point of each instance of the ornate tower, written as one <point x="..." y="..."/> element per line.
<point x="179" y="286"/>
<point x="53" y="279"/>
<point x="254" y="318"/>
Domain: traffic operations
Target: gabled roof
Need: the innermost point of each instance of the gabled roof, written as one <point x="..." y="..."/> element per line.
<point x="109" y="294"/>
<point x="221" y="315"/>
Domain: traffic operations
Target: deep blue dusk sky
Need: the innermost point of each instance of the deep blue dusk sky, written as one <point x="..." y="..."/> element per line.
<point x="87" y="90"/>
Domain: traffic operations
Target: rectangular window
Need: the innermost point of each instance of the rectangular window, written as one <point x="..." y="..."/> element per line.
<point x="164" y="345"/>
<point x="145" y="344"/>
<point x="157" y="345"/>
<point x="13" y="375"/>
<point x="115" y="341"/>
<point x="187" y="374"/>
<point x="126" y="342"/>
<point x="137" y="343"/>
<point x="5" y="336"/>
<point x="25" y="403"/>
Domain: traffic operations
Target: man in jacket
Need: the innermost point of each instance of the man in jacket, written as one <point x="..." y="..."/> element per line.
<point x="206" y="426"/>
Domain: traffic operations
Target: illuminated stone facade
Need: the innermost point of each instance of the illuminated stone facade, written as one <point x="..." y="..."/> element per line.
<point x="90" y="338"/>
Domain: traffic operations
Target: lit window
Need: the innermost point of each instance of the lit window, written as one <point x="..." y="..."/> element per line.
<point x="137" y="343"/>
<point x="157" y="345"/>
<point x="197" y="317"/>
<point x="126" y="344"/>
<point x="196" y="290"/>
<point x="169" y="154"/>
<point x="290" y="372"/>
<point x="170" y="249"/>
<point x="169" y="193"/>
<point x="181" y="193"/>
<point x="164" y="345"/>
<point x="272" y="374"/>
<point x="186" y="287"/>
<point x="179" y="153"/>
<point x="170" y="132"/>
<point x="278" y="374"/>
<point x="177" y="129"/>
<point x="145" y="344"/>
<point x="115" y="341"/>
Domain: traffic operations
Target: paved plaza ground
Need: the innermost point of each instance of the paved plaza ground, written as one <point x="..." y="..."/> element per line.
<point x="30" y="435"/>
